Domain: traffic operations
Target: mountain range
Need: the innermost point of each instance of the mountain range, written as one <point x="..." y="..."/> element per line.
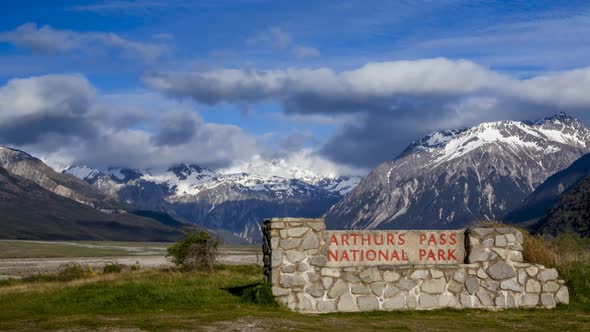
<point x="230" y="203"/>
<point x="450" y="179"/>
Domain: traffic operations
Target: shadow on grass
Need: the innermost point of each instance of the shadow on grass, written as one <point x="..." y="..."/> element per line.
<point x="257" y="293"/>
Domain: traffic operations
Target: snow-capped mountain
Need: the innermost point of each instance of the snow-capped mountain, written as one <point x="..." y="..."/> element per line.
<point x="224" y="200"/>
<point x="453" y="178"/>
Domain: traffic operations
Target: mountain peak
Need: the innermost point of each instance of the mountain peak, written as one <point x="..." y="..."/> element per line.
<point x="558" y="117"/>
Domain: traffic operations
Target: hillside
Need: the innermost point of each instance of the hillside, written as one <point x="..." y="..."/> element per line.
<point x="31" y="212"/>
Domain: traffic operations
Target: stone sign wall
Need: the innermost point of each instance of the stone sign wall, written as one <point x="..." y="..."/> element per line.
<point x="473" y="268"/>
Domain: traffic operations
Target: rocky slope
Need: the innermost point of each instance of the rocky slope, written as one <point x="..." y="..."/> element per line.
<point x="571" y="213"/>
<point x="538" y="203"/>
<point x="224" y="202"/>
<point x="22" y="164"/>
<point x="453" y="178"/>
<point x="31" y="212"/>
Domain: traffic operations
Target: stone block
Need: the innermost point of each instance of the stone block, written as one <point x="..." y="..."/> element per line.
<point x="448" y="301"/>
<point x="370" y="275"/>
<point x="315" y="290"/>
<point x="411" y="301"/>
<point x="351" y="277"/>
<point x="359" y="289"/>
<point x="327" y="282"/>
<point x="532" y="286"/>
<point x="288" y="268"/>
<point x="278" y="291"/>
<point x="318" y="261"/>
<point x="501" y="270"/>
<point x="302" y="267"/>
<point x="290" y="243"/>
<point x="546" y="275"/>
<point x="367" y="303"/>
<point x="510" y="238"/>
<point x="547" y="300"/>
<point x="484" y="297"/>
<point x="427" y="301"/>
<point x="295" y="256"/>
<point x="481" y="255"/>
<point x="511" y="284"/>
<point x="481" y="274"/>
<point x="310" y="241"/>
<point x="407" y="284"/>
<point x="339" y="288"/>
<point x="297" y="231"/>
<point x="396" y="302"/>
<point x="290" y="281"/>
<point x="562" y="295"/>
<point x="274" y="243"/>
<point x="317" y="225"/>
<point x="377" y="288"/>
<point x="471" y="284"/>
<point x="390" y="291"/>
<point x="330" y="272"/>
<point x="481" y="232"/>
<point x="305" y="304"/>
<point x="522" y="277"/>
<point x="277" y="258"/>
<point x="391" y="276"/>
<point x="532" y="270"/>
<point x="456" y="287"/>
<point x="490" y="285"/>
<point x="326" y="306"/>
<point x="529" y="300"/>
<point x="434" y="286"/>
<point x="459" y="276"/>
<point x="436" y="274"/>
<point x="420" y="274"/>
<point x="500" y="241"/>
<point x="550" y="287"/>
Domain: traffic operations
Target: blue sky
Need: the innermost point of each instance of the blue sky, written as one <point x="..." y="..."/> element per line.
<point x="155" y="57"/>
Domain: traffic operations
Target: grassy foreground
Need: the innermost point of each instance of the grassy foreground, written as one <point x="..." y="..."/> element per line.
<point x="167" y="300"/>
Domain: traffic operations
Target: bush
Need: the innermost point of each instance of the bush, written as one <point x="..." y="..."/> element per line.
<point x="537" y="250"/>
<point x="197" y="250"/>
<point x="73" y="271"/>
<point x="259" y="294"/>
<point x="112" y="267"/>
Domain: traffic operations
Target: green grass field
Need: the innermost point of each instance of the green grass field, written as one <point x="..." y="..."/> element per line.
<point x="166" y="300"/>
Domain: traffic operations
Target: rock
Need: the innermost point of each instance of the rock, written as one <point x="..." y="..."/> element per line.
<point x="305" y="304"/>
<point x="488" y="243"/>
<point x="370" y="275"/>
<point x="501" y="270"/>
<point x="289" y="281"/>
<point x="315" y="290"/>
<point x="295" y="256"/>
<point x="318" y="261"/>
<point x="532" y="271"/>
<point x="311" y="241"/>
<point x="436" y="274"/>
<point x="390" y="291"/>
<point x="351" y="278"/>
<point x="390" y="276"/>
<point x="549" y="274"/>
<point x="511" y="238"/>
<point x="468" y="301"/>
<point x="288" y="268"/>
<point x="313" y="277"/>
<point x="427" y="301"/>
<point x="448" y="301"/>
<point x="532" y="286"/>
<point x="484" y="297"/>
<point x="367" y="303"/>
<point x="277" y="258"/>
<point x="407" y="284"/>
<point x="529" y="300"/>
<point x="326" y="306"/>
<point x="347" y="303"/>
<point x="359" y="289"/>
<point x="420" y="274"/>
<point x="329" y="272"/>
<point x="340" y="287"/>
<point x="515" y="256"/>
<point x="511" y="284"/>
<point x="550" y="287"/>
<point x="547" y="300"/>
<point x="490" y="285"/>
<point x="397" y="302"/>
<point x="562" y="295"/>
<point x="434" y="286"/>
<point x="274" y="243"/>
<point x="500" y="241"/>
<point x="505" y="300"/>
<point x="278" y="291"/>
<point x="327" y="282"/>
<point x="377" y="288"/>
<point x="302" y="267"/>
<point x="283" y="233"/>
<point x="411" y="301"/>
<point x="481" y="255"/>
<point x="459" y="276"/>
<point x="522" y="276"/>
<point x="519" y="237"/>
<point x="456" y="287"/>
<point x="481" y="274"/>
<point x="472" y="284"/>
<point x="482" y="232"/>
<point x="297" y="231"/>
<point x="290" y="243"/>
<point x="316" y="225"/>
<point x="472" y="240"/>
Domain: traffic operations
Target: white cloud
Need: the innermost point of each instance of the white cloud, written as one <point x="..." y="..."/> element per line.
<point x="46" y="39"/>
<point x="306" y="52"/>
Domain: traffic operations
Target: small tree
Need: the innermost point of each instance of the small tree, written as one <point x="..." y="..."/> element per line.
<point x="197" y="250"/>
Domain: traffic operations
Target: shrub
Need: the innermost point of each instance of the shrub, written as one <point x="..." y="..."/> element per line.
<point x="73" y="271"/>
<point x="112" y="267"/>
<point x="197" y="250"/>
<point x="537" y="250"/>
<point x="259" y="294"/>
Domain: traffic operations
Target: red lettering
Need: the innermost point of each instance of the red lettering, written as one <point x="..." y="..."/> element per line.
<point x="366" y="238"/>
<point x="354" y="236"/>
<point x="383" y="255"/>
<point x="422" y="238"/>
<point x="380" y="237"/>
<point x="451" y="254"/>
<point x="344" y="239"/>
<point x="344" y="256"/>
<point x="432" y="240"/>
<point x="443" y="238"/>
<point x="441" y="254"/>
<point x="333" y="240"/>
<point x="400" y="239"/>
<point x="371" y="255"/>
<point x="431" y="255"/>
<point x="422" y="253"/>
<point x="354" y="252"/>
<point x="332" y="256"/>
<point x="453" y="239"/>
<point x="394" y="255"/>
<point x="390" y="241"/>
